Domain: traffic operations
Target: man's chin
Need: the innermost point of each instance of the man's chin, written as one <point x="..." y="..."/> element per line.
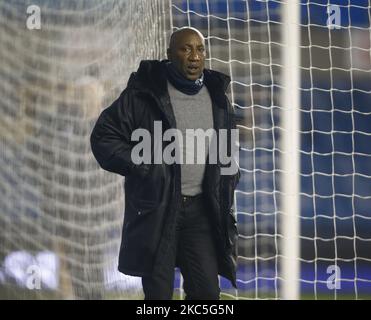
<point x="193" y="77"/>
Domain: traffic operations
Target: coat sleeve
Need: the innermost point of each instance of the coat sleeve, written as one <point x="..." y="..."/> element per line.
<point x="110" y="139"/>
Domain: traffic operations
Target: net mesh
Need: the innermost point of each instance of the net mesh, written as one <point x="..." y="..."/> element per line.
<point x="245" y="40"/>
<point x="55" y="201"/>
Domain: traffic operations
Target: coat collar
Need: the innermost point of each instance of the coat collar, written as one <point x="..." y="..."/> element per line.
<point x="150" y="78"/>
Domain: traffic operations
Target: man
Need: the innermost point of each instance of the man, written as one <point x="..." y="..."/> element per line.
<point x="176" y="214"/>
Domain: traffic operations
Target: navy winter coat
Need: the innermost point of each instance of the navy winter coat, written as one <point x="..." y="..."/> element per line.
<point x="153" y="191"/>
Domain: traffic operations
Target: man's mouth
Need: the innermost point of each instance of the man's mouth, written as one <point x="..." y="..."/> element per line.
<point x="193" y="69"/>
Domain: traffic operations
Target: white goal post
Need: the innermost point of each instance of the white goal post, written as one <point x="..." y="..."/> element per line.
<point x="291" y="154"/>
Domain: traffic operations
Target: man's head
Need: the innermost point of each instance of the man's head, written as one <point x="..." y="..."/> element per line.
<point x="187" y="52"/>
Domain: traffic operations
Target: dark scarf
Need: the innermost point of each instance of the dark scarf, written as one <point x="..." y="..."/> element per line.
<point x="181" y="83"/>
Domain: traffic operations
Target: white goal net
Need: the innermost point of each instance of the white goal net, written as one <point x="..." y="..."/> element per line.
<point x="327" y="248"/>
<point x="61" y="215"/>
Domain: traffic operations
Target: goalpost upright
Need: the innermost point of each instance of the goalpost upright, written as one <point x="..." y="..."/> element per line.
<point x="290" y="272"/>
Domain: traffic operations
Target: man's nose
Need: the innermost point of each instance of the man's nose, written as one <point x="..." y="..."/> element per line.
<point x="194" y="56"/>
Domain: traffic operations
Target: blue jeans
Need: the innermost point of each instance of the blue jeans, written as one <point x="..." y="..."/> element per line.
<point x="193" y="251"/>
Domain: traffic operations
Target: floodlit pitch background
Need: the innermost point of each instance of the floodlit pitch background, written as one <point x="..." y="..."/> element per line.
<point x="61" y="215"/>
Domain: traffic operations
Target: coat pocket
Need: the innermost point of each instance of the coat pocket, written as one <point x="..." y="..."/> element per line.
<point x="136" y="220"/>
<point x="148" y="189"/>
<point x="142" y="229"/>
<point x="138" y="208"/>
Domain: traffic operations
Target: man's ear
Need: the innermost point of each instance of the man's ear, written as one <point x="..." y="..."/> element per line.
<point x="168" y="53"/>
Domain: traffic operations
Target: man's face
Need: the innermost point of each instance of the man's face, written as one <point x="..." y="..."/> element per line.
<point x="187" y="53"/>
